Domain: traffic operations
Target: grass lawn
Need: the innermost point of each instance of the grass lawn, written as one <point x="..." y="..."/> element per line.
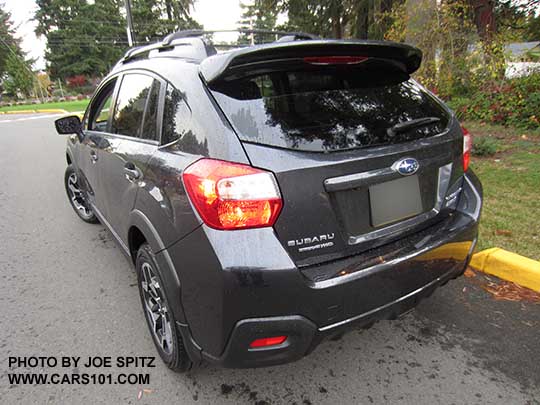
<point x="71" y="106"/>
<point x="511" y="179"/>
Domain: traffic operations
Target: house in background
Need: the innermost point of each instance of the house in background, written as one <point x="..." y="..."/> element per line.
<point x="523" y="58"/>
<point x="520" y="51"/>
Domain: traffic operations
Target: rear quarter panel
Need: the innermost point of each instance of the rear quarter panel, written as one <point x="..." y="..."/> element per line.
<point x="161" y="196"/>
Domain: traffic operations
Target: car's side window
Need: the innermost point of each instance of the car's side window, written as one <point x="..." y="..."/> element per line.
<point x="131" y="104"/>
<point x="149" y="129"/>
<point x="101" y="108"/>
<point x="175" y="116"/>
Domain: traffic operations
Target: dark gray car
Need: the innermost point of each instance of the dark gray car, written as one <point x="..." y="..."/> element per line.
<point x="274" y="195"/>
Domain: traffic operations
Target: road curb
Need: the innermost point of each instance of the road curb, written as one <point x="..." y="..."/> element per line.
<point x="20" y="112"/>
<point x="53" y="111"/>
<point x="45" y="111"/>
<point x="508" y="266"/>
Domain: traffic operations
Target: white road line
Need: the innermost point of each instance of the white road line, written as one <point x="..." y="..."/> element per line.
<point x="32" y="118"/>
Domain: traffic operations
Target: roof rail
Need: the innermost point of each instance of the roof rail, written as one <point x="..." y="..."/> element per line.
<point x="167" y="42"/>
<point x="202" y="49"/>
<point x="198" y="33"/>
<point x="133" y="52"/>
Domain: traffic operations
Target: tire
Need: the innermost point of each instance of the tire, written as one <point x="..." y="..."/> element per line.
<point x="160" y="320"/>
<point x="77" y="196"/>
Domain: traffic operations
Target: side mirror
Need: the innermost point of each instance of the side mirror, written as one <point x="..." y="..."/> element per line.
<point x="69" y="125"/>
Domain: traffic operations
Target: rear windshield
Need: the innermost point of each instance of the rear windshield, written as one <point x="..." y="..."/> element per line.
<point x="328" y="109"/>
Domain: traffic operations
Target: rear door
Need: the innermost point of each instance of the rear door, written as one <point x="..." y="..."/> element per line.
<point x="363" y="154"/>
<point x="132" y="140"/>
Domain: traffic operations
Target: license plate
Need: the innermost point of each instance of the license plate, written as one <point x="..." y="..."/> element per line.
<point x="395" y="200"/>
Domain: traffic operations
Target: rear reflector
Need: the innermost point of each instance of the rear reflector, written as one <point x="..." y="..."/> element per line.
<point x="335" y="60"/>
<point x="269" y="341"/>
<point x="232" y="196"/>
<point x="467" y="148"/>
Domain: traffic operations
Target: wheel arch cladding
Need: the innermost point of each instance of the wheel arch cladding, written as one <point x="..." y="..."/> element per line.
<point x="142" y="231"/>
<point x="140" y="225"/>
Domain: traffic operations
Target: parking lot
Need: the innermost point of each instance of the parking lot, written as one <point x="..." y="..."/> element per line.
<point x="67" y="289"/>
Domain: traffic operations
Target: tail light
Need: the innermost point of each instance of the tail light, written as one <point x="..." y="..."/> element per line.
<point x="467" y="148"/>
<point x="232" y="196"/>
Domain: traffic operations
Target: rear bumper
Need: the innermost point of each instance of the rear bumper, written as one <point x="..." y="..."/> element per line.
<point x="245" y="287"/>
<point x="304" y="335"/>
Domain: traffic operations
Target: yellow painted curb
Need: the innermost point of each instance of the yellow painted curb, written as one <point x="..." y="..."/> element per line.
<point x="455" y="250"/>
<point x="44" y="110"/>
<point x="52" y="111"/>
<point x="508" y="266"/>
<point x="21" y="112"/>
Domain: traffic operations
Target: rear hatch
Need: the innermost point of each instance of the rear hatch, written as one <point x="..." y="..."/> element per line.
<point x="363" y="154"/>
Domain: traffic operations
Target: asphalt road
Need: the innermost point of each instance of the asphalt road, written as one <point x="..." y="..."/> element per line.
<point x="67" y="290"/>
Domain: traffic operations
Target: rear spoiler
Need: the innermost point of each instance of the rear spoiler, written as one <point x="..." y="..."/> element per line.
<point x="231" y="64"/>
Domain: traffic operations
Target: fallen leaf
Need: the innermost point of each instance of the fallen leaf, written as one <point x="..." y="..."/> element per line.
<point x="508" y="291"/>
<point x="503" y="232"/>
<point x="147" y="391"/>
<point x="469" y="273"/>
<point x="525" y="137"/>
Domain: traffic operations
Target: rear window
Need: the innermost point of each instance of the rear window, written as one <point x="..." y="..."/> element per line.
<point x="328" y="109"/>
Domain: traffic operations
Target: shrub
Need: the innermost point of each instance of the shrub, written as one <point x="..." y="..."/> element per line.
<point x="485" y="146"/>
<point x="86" y="89"/>
<point x="459" y="105"/>
<point x="76" y="81"/>
<point x="513" y="102"/>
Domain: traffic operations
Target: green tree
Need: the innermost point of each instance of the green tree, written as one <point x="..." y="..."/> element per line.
<point x="153" y="19"/>
<point x="8" y="42"/>
<point x="326" y="18"/>
<point x="81" y="38"/>
<point x="374" y="18"/>
<point x="257" y="15"/>
<point x="335" y="18"/>
<point x="532" y="28"/>
<point x="19" y="76"/>
<point x="88" y="39"/>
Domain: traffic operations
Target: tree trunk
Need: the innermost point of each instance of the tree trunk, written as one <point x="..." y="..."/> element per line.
<point x="484" y="18"/>
<point x="337" y="11"/>
<point x="168" y="7"/>
<point x="362" y="20"/>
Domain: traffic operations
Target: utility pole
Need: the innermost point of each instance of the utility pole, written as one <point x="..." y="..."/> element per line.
<point x="40" y="90"/>
<point x="251" y="36"/>
<point x="61" y="89"/>
<point x="129" y="18"/>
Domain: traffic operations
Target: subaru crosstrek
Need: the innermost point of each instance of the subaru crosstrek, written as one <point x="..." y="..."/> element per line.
<point x="274" y="195"/>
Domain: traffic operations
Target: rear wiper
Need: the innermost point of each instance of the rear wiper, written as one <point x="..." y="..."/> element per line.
<point x="418" y="122"/>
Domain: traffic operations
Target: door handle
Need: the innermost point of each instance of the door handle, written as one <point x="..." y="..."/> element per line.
<point x="93" y="156"/>
<point x="131" y="171"/>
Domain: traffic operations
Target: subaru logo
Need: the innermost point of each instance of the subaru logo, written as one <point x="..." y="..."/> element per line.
<point x="406" y="166"/>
